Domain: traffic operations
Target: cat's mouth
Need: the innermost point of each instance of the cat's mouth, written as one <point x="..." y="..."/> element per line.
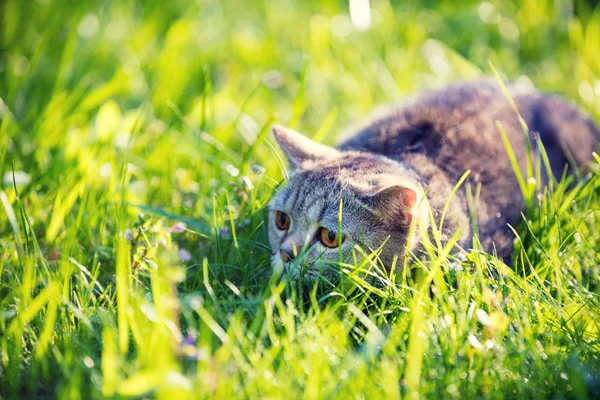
<point x="290" y="269"/>
<point x="301" y="268"/>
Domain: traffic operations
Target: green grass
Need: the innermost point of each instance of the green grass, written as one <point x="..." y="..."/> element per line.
<point x="119" y="121"/>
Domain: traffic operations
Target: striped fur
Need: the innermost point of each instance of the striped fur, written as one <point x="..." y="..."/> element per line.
<point x="425" y="145"/>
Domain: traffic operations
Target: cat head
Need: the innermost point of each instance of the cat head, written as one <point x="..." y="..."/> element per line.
<point x="379" y="199"/>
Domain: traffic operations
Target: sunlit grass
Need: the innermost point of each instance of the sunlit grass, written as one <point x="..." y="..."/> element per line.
<point x="136" y="166"/>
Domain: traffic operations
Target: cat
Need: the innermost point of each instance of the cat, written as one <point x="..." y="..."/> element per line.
<point x="386" y="167"/>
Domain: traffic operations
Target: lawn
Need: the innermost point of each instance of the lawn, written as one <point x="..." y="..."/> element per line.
<point x="137" y="162"/>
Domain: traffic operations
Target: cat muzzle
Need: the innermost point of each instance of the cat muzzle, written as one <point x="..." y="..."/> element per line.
<point x="286" y="255"/>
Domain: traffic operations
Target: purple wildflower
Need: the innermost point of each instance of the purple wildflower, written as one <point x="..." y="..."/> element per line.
<point x="185" y="255"/>
<point x="178" y="227"/>
<point x="190" y="339"/>
<point x="188" y="347"/>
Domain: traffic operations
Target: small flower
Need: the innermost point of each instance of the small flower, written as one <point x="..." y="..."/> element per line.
<point x="128" y="234"/>
<point x="188" y="346"/>
<point x="178" y="227"/>
<point x="185" y="255"/>
<point x="224" y="233"/>
<point x="190" y="339"/>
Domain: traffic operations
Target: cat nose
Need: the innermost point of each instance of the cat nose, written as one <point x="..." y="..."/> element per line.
<point x="286" y="255"/>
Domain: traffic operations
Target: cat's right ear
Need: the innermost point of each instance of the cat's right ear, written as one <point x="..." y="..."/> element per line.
<point x="395" y="205"/>
<point x="299" y="149"/>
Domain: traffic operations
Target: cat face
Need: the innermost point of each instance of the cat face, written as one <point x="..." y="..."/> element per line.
<point x="377" y="196"/>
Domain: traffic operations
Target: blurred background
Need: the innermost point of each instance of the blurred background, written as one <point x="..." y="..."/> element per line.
<point x="225" y="61"/>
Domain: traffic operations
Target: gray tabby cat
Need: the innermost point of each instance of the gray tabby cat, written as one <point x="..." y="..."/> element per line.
<point x="421" y="149"/>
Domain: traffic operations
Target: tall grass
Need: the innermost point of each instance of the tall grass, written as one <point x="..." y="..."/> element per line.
<point x="137" y="165"/>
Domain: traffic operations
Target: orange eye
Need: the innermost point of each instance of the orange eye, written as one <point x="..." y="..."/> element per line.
<point x="282" y="220"/>
<point x="329" y="238"/>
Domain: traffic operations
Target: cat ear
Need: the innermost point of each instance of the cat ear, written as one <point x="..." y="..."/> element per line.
<point x="299" y="149"/>
<point x="395" y="205"/>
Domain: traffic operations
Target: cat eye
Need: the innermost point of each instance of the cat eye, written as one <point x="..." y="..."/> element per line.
<point x="329" y="238"/>
<point x="282" y="220"/>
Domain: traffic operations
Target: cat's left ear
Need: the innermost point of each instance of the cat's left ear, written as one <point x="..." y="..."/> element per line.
<point x="395" y="205"/>
<point x="300" y="149"/>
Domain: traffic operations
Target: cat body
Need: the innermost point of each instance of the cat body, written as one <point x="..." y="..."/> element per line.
<point x="421" y="149"/>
